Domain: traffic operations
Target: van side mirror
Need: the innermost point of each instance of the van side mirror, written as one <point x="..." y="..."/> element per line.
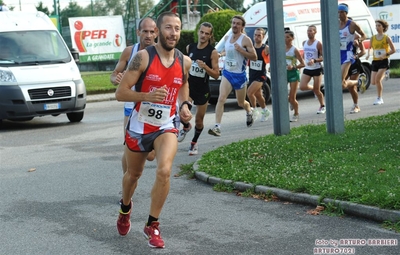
<point x="75" y="54"/>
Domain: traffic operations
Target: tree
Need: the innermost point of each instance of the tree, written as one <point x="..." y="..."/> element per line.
<point x="221" y="23"/>
<point x="41" y="8"/>
<point x="72" y="10"/>
<point x="144" y="7"/>
<point x="104" y="8"/>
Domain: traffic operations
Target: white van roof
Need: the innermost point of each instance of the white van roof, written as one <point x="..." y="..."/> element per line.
<point x="299" y="11"/>
<point x="22" y="21"/>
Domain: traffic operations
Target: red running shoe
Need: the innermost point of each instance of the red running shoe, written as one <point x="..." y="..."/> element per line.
<point x="152" y="233"/>
<point x="124" y="222"/>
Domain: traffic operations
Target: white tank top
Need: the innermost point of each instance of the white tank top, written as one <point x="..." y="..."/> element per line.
<point x="291" y="57"/>
<point x="311" y="52"/>
<point x="234" y="61"/>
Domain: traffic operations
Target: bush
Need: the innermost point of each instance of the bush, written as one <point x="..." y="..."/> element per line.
<point x="221" y="22"/>
<point x="186" y="38"/>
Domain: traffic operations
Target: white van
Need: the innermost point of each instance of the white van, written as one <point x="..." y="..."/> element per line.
<point x="38" y="74"/>
<point x="298" y="15"/>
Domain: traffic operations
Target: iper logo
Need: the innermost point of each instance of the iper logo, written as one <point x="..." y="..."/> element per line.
<point x="118" y="40"/>
<point x="81" y="35"/>
<point x="386" y="15"/>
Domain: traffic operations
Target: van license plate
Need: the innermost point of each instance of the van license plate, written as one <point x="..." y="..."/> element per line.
<point x="52" y="106"/>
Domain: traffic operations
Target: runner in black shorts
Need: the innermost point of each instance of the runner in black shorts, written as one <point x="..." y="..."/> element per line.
<point x="355" y="72"/>
<point x="257" y="77"/>
<point x="204" y="64"/>
<point x="312" y="54"/>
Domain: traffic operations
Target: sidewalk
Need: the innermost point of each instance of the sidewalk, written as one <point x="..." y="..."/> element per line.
<point x="100" y="97"/>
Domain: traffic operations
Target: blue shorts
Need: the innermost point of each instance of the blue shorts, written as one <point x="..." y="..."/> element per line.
<point x="346" y="57"/>
<point x="128" y="106"/>
<point x="237" y="80"/>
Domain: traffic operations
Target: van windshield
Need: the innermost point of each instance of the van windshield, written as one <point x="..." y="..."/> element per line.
<point x="32" y="48"/>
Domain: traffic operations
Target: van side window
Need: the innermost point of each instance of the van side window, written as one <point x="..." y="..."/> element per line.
<point x="301" y="34"/>
<point x="365" y="26"/>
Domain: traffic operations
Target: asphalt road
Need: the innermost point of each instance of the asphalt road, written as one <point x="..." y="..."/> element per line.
<point x="60" y="184"/>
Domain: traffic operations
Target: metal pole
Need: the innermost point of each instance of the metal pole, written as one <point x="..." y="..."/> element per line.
<point x="137" y="18"/>
<point x="91" y="6"/>
<point x="332" y="73"/>
<point x="276" y="39"/>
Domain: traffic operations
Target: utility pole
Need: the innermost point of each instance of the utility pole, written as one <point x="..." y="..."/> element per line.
<point x="137" y="18"/>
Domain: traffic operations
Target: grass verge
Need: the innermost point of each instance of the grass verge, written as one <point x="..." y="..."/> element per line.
<point x="360" y="165"/>
<point x="98" y="82"/>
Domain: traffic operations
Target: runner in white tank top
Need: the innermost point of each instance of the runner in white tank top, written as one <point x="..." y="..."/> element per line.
<point x="238" y="48"/>
<point x="347" y="28"/>
<point x="312" y="54"/>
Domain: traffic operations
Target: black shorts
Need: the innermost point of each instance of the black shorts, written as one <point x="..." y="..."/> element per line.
<point x="380" y="64"/>
<point x="312" y="73"/>
<point x="259" y="79"/>
<point x="200" y="96"/>
<point x="355" y="68"/>
<point x="144" y="143"/>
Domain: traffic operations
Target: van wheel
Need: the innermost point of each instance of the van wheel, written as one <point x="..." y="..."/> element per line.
<point x="75" y="116"/>
<point x="367" y="72"/>
<point x="266" y="91"/>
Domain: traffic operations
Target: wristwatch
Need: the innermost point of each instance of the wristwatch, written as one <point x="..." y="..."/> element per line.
<point x="189" y="105"/>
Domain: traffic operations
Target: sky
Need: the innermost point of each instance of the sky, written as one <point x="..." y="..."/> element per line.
<point x="29" y="5"/>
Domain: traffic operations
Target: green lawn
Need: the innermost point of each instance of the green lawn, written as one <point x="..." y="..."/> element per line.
<point x="360" y="167"/>
<point x="98" y="82"/>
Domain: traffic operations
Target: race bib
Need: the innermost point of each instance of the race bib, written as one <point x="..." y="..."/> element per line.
<point x="379" y="53"/>
<point x="256" y="65"/>
<point x="197" y="71"/>
<point x="230" y="64"/>
<point x="154" y="114"/>
<point x="343" y="45"/>
<point x="288" y="62"/>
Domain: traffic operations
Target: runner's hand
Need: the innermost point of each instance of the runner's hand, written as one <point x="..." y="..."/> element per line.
<point x="157" y="95"/>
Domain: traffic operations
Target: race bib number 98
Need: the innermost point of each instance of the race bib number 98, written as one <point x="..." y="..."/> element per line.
<point x="153" y="113"/>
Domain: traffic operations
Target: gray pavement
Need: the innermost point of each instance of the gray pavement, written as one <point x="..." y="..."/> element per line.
<point x="368" y="212"/>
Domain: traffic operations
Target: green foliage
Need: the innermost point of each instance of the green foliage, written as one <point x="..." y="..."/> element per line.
<point x="98" y="82"/>
<point x="43" y="9"/>
<point x="221" y="22"/>
<point x="186" y="170"/>
<point x="332" y="209"/>
<point x="186" y="38"/>
<point x="223" y="187"/>
<point x="395" y="226"/>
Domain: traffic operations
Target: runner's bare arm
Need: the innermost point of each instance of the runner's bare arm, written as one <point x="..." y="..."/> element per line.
<point x="300" y="59"/>
<point x="120" y="67"/>
<point x="214" y="70"/>
<point x="183" y="94"/>
<point x="249" y="52"/>
<point x="320" y="53"/>
<point x="136" y="68"/>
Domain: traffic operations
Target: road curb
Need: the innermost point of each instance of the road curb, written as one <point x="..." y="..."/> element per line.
<point x="359" y="210"/>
